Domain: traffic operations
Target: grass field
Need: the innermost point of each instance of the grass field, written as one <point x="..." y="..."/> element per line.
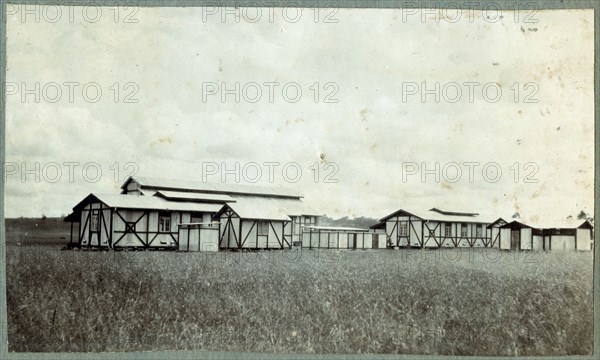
<point x="380" y="301"/>
<point x="38" y="232"/>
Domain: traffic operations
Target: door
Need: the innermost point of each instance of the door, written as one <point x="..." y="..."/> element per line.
<point x="194" y="238"/>
<point x="515" y="239"/>
<point x="353" y="240"/>
<point x="375" y="241"/>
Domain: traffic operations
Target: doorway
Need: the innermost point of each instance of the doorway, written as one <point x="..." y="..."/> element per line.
<point x="515" y="239"/>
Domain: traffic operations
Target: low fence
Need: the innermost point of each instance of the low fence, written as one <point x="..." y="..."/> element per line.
<point x="342" y="239"/>
<point x="196" y="237"/>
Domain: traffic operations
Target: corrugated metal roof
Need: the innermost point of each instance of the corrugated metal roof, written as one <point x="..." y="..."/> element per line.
<point x="268" y="208"/>
<point x="180" y="195"/>
<point x="153" y="203"/>
<point x="223" y="188"/>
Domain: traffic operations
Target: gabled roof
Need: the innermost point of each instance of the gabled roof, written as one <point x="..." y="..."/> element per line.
<point x="500" y="221"/>
<point x="400" y="212"/>
<point x="516" y="225"/>
<point x="568" y="223"/>
<point x="194" y="197"/>
<point x="565" y="223"/>
<point x="264" y="208"/>
<point x="586" y="225"/>
<point x="72" y="218"/>
<point x="146" y="203"/>
<point x="214" y="188"/>
<point x="379" y="225"/>
<point x="453" y="213"/>
<point x="246" y="211"/>
<point x="443" y="216"/>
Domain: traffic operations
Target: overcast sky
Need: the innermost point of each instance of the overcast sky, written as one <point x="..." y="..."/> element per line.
<point x="374" y="63"/>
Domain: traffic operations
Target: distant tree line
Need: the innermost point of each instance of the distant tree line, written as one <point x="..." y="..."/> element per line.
<point x="359" y="222"/>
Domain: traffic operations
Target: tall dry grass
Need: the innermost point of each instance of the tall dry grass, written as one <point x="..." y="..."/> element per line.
<point x="418" y="302"/>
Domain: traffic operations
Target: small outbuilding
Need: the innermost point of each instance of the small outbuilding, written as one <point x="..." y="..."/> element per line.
<point x="336" y="237"/>
<point x="516" y="235"/>
<point x="246" y="225"/>
<point x="569" y="235"/>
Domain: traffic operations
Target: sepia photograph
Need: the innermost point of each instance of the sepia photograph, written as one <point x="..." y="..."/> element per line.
<point x="250" y="180"/>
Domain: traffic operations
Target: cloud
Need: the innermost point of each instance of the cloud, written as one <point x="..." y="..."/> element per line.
<point x="369" y="133"/>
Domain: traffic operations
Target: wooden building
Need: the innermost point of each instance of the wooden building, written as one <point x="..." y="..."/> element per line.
<point x="195" y="237"/>
<point x="134" y="221"/>
<point x="569" y="234"/>
<point x="153" y="213"/>
<point x="255" y="224"/>
<point x="333" y="237"/>
<point x="437" y="228"/>
<point x="516" y="235"/>
<point x="190" y="216"/>
<point x="494" y="230"/>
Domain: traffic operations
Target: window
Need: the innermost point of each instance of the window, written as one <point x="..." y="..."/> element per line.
<point x="263" y="228"/>
<point x="94" y="224"/>
<point x="403" y="230"/>
<point x="463" y="230"/>
<point x="296" y="229"/>
<point x="479" y="230"/>
<point x="164" y="222"/>
<point x="448" y="231"/>
<point x="196" y="218"/>
<point x="309" y="220"/>
<point x="297" y="223"/>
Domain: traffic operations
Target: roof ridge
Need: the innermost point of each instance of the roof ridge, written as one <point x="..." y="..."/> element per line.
<point x="202" y="186"/>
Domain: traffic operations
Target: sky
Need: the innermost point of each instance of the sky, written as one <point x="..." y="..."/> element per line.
<point x="363" y="111"/>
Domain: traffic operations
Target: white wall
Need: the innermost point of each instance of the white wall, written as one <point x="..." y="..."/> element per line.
<point x="505" y="239"/>
<point x="584" y="240"/>
<point x="563" y="242"/>
<point x="526" y="237"/>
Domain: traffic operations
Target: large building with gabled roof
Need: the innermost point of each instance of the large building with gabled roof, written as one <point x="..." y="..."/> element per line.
<point x="154" y="213"/>
<point x="438" y="228"/>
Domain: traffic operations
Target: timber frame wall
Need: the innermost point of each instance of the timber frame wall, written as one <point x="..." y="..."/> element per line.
<point x="431" y="233"/>
<point x="129" y="228"/>
<point x="340" y="239"/>
<point x="241" y="233"/>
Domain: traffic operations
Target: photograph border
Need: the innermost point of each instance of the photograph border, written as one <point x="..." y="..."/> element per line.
<point x="381" y="4"/>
